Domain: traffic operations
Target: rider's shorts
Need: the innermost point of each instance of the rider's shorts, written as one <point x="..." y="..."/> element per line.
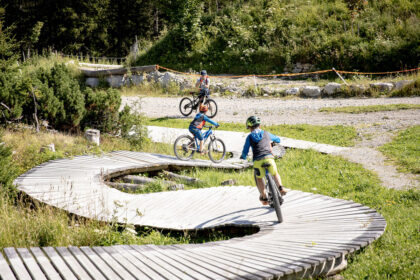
<point x="260" y="171"/>
<point x="196" y="132"/>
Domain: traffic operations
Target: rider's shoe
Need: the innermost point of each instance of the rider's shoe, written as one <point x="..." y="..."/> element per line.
<point x="282" y="190"/>
<point x="264" y="201"/>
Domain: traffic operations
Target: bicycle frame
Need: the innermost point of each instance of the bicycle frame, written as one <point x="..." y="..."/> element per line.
<point x="205" y="136"/>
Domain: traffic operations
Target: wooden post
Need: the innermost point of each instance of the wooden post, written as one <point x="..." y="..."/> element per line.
<point x="338" y="74"/>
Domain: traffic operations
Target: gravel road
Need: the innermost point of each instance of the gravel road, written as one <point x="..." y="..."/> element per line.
<point x="375" y="129"/>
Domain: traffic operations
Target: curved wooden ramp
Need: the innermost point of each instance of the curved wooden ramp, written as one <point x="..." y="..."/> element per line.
<point x="317" y="234"/>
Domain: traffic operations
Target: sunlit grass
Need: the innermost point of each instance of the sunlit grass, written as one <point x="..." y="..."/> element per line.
<point x="369" y="109"/>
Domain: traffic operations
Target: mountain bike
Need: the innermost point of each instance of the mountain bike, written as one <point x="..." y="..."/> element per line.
<point x="185" y="146"/>
<point x="187" y="104"/>
<point x="275" y="199"/>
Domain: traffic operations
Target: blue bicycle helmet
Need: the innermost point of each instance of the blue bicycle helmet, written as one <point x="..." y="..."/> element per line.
<point x="203" y="73"/>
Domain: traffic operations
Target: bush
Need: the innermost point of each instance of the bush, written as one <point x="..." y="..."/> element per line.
<point x="132" y="128"/>
<point x="7" y="169"/>
<point x="102" y="109"/>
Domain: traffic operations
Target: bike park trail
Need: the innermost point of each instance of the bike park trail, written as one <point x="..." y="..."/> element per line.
<point x="317" y="234"/>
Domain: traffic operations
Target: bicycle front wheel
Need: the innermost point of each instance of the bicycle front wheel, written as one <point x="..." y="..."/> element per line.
<point x="184" y="147"/>
<point x="212" y="105"/>
<point x="217" y="150"/>
<point x="274" y="190"/>
<point x="186" y="106"/>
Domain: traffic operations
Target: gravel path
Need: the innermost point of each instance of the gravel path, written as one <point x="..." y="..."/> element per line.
<point x="375" y="129"/>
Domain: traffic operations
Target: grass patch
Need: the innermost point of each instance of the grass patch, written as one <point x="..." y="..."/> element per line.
<point x="339" y="135"/>
<point x="405" y="150"/>
<point x="369" y="109"/>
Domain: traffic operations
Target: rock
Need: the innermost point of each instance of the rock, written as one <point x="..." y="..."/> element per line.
<point x="216" y="94"/>
<point x="92" y="82"/>
<point x="400" y="84"/>
<point x="137" y="79"/>
<point x="50" y="147"/>
<point x="176" y="187"/>
<point x="115" y="81"/>
<point x="358" y="88"/>
<point x="229" y="182"/>
<point x="311" y="91"/>
<point x="332" y="88"/>
<point x="382" y="86"/>
<point x="265" y="95"/>
<point x="93" y="135"/>
<point x="167" y="78"/>
<point x="292" y="91"/>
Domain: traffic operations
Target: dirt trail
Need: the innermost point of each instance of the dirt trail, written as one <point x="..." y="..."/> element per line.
<point x="375" y="129"/>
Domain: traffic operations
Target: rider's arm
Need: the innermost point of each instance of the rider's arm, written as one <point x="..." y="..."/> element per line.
<point x="274" y="138"/>
<point x="207" y="119"/>
<point x="246" y="148"/>
<point x="198" y="83"/>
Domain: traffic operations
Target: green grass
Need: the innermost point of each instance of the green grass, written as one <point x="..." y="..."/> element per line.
<point x="369" y="109"/>
<point x="336" y="134"/>
<point x="405" y="150"/>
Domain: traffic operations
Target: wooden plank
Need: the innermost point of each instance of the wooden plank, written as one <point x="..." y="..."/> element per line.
<point x="134" y="258"/>
<point x="59" y="263"/>
<point x="86" y="263"/>
<point x="168" y="266"/>
<point x="45" y="263"/>
<point x="101" y="265"/>
<point x="121" y="271"/>
<point x="31" y="264"/>
<point x="5" y="271"/>
<point x="72" y="263"/>
<point x="16" y="264"/>
<point x="124" y="262"/>
<point x="117" y="71"/>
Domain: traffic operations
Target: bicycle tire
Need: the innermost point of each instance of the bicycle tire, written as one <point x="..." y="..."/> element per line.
<point x="186" y="106"/>
<point x="188" y="151"/>
<point x="212" y="105"/>
<point x="276" y="196"/>
<point x="212" y="150"/>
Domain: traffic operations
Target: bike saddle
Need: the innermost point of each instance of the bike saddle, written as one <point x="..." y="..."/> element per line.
<point x="265" y="165"/>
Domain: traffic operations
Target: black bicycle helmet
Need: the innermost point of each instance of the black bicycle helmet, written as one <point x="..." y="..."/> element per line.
<point x="253" y="121"/>
<point x="203" y="73"/>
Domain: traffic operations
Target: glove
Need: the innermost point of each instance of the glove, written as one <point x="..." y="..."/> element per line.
<point x="217" y="125"/>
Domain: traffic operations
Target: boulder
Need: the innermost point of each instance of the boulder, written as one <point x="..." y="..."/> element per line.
<point x="332" y="88"/>
<point x="92" y="82"/>
<point x="382" y="86"/>
<point x="137" y="79"/>
<point x="311" y="91"/>
<point x="358" y="88"/>
<point x="292" y="91"/>
<point x="229" y="182"/>
<point x="50" y="147"/>
<point x="167" y="78"/>
<point x="400" y="84"/>
<point x="115" y="81"/>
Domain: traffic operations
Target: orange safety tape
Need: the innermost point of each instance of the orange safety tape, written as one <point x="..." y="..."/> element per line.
<point x="377" y="73"/>
<point x="293" y="74"/>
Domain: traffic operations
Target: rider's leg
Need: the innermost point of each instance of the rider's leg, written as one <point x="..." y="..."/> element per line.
<point x="279" y="184"/>
<point x="273" y="170"/>
<point x="259" y="173"/>
<point x="261" y="187"/>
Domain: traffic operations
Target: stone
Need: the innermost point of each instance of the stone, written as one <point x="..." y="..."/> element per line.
<point x="92" y="82"/>
<point x="115" y="81"/>
<point x="229" y="182"/>
<point x="137" y="79"/>
<point x="176" y="187"/>
<point x="50" y="147"/>
<point x="292" y="91"/>
<point x="358" y="88"/>
<point x="93" y="135"/>
<point x="400" y="84"/>
<point x="332" y="88"/>
<point x="311" y="91"/>
<point x="382" y="86"/>
<point x="167" y="78"/>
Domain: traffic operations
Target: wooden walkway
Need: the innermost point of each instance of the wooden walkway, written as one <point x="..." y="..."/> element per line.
<point x="235" y="140"/>
<point x="317" y="234"/>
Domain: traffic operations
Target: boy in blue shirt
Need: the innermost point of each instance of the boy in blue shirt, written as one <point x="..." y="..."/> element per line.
<point x="198" y="123"/>
<point x="260" y="142"/>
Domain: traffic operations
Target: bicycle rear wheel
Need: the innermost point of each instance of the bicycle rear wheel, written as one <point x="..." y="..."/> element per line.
<point x="212" y="105"/>
<point x="274" y="190"/>
<point x="217" y="150"/>
<point x="186" y="106"/>
<point x="184" y="147"/>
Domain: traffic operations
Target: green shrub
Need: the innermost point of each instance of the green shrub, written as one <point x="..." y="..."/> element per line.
<point x="132" y="128"/>
<point x="7" y="169"/>
<point x="412" y="89"/>
<point x="102" y="109"/>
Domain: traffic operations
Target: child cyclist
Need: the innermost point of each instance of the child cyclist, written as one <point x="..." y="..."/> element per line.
<point x="198" y="123"/>
<point x="260" y="142"/>
<point x="203" y="84"/>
